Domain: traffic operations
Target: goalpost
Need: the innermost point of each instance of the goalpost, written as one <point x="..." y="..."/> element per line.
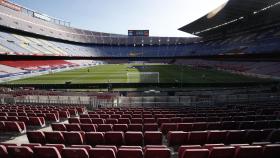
<point x="143" y="77"/>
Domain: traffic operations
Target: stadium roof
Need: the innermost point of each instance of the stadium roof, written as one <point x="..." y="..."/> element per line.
<point x="228" y="13"/>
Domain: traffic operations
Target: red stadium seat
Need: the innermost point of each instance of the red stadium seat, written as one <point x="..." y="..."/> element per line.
<point x="3" y="152"/>
<point x="73" y="127"/>
<point x="95" y="138"/>
<point x="87" y="147"/>
<point x="75" y="153"/>
<point x="177" y="138"/>
<point x="36" y="137"/>
<point x="157" y="153"/>
<point x="248" y="151"/>
<point x="114" y="138"/>
<point x="58" y="127"/>
<point x="111" y="121"/>
<point x="74" y="120"/>
<point x="130" y="153"/>
<point x="222" y="152"/>
<point x="166" y="127"/>
<point x="195" y="153"/>
<point x="150" y="127"/>
<point x="55" y="137"/>
<point x="235" y="137"/>
<point x="134" y="138"/>
<point x="31" y="145"/>
<point x="186" y="127"/>
<point x="271" y="151"/>
<point x="20" y="152"/>
<point x="104" y="127"/>
<point x="46" y="152"/>
<point x="216" y="137"/>
<point x="199" y="126"/>
<point x="59" y="147"/>
<point x="135" y="127"/>
<point x="102" y="153"/>
<point x="197" y="138"/>
<point x="153" y="138"/>
<point x="88" y="127"/>
<point x="120" y="127"/>
<point x="73" y="138"/>
<point x="86" y="120"/>
<point x="124" y="121"/>
<point x="182" y="149"/>
<point x="37" y="121"/>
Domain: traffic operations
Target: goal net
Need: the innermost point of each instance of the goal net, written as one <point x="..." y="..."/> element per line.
<point x="143" y="77"/>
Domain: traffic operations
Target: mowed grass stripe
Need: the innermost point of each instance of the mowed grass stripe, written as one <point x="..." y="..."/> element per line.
<point x="117" y="73"/>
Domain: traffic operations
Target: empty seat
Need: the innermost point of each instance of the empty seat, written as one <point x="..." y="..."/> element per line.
<point x="3" y="152"/>
<point x="36" y="137"/>
<point x="222" y="152"/>
<point x="52" y="117"/>
<point x="235" y="137"/>
<point x="134" y="138"/>
<point x="157" y="153"/>
<point x="177" y="138"/>
<point x="74" y="120"/>
<point x="184" y="147"/>
<point x="37" y="121"/>
<point x="120" y="127"/>
<point x="229" y="125"/>
<point x="248" y="151"/>
<point x="199" y="126"/>
<point x="124" y="121"/>
<point x="85" y="120"/>
<point x="97" y="121"/>
<point x="213" y="126"/>
<point x="275" y="136"/>
<point x="14" y="127"/>
<point x="88" y="127"/>
<point x="130" y="153"/>
<point x="186" y="127"/>
<point x="114" y="138"/>
<point x="59" y="147"/>
<point x="111" y="121"/>
<point x="149" y="120"/>
<point x="136" y="120"/>
<point x="58" y="127"/>
<point x="247" y="125"/>
<point x="54" y="137"/>
<point x="64" y="114"/>
<point x="150" y="127"/>
<point x="102" y="153"/>
<point x="20" y="152"/>
<point x="73" y="138"/>
<point x="95" y="138"/>
<point x="197" y="138"/>
<point x="108" y="147"/>
<point x="74" y="153"/>
<point x="135" y="127"/>
<point x="271" y="151"/>
<point x="73" y="127"/>
<point x="216" y="137"/>
<point x="254" y="136"/>
<point x="104" y="127"/>
<point x="195" y="153"/>
<point x="166" y="127"/>
<point x="153" y="138"/>
<point x="46" y="152"/>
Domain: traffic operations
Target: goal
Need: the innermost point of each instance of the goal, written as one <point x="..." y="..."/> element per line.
<point x="143" y="77"/>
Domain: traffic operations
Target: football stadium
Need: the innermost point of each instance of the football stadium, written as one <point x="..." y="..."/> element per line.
<point x="209" y="88"/>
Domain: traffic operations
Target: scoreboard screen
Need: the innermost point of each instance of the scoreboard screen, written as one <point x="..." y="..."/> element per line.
<point x="138" y="33"/>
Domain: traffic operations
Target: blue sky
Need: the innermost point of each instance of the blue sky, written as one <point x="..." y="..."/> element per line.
<point x="161" y="17"/>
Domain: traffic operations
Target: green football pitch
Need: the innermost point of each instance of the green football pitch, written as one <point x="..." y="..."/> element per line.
<point x="117" y="73"/>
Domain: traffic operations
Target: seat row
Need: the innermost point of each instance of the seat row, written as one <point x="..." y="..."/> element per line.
<point x="226" y="125"/>
<point x="61" y="114"/>
<point x="51" y="117"/>
<point x="153" y="120"/>
<point x="180" y="117"/>
<point x="104" y="127"/>
<point x="96" y="138"/>
<point x="177" y="138"/>
<point x="78" y="151"/>
<point x="29" y="121"/>
<point x="12" y="127"/>
<point x="221" y="151"/>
